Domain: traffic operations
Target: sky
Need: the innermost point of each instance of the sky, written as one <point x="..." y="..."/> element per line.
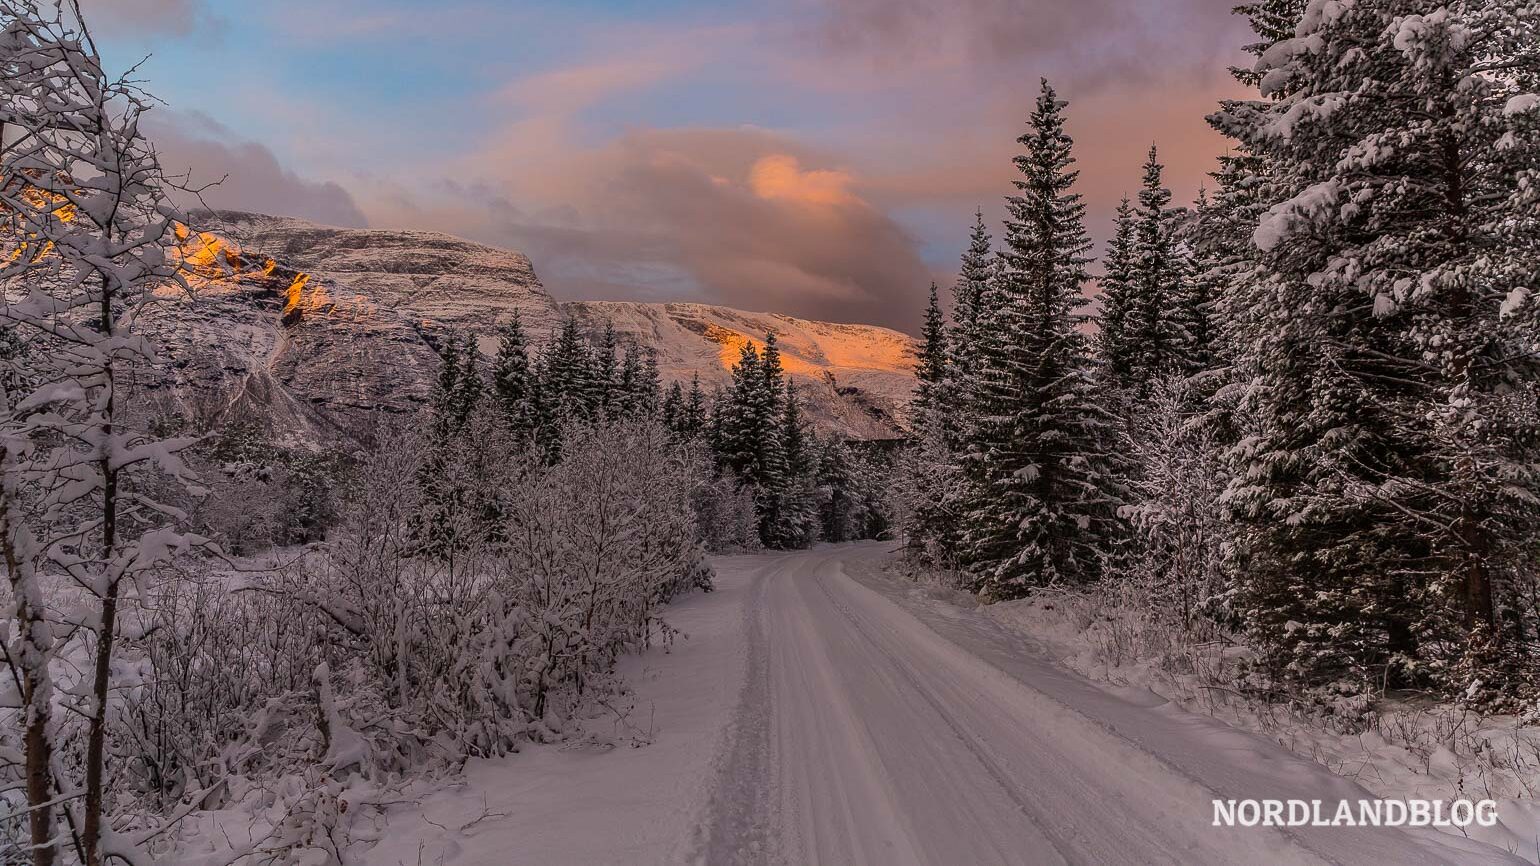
<point x="820" y="158"/>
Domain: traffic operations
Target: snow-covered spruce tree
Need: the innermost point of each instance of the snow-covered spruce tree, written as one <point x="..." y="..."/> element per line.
<point x="929" y="394"/>
<point x="1387" y="489"/>
<point x="672" y="408"/>
<point x="513" y="384"/>
<point x="1045" y="491"/>
<point x="1200" y="282"/>
<point x="453" y="406"/>
<point x="692" y="416"/>
<point x="87" y="238"/>
<point x="626" y="401"/>
<point x="604" y="378"/>
<point x="796" y="522"/>
<point x="967" y="300"/>
<point x="648" y="390"/>
<point x="567" y="376"/>
<point x="1153" y="317"/>
<point x="1116" y="341"/>
<point x="929" y="493"/>
<point x="796" y="448"/>
<point x="747" y="420"/>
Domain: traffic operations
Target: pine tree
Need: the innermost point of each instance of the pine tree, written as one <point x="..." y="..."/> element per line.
<point x="930" y="524"/>
<point x="773" y="471"/>
<point x="1381" y="488"/>
<point x="932" y="370"/>
<point x="1046" y="512"/>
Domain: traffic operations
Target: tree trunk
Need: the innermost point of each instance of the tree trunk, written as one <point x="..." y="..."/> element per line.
<point x="36" y="696"/>
<point x="96" y="741"/>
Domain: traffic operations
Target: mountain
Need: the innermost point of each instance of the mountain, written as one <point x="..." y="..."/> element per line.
<point x="855" y="379"/>
<point x="322" y="330"/>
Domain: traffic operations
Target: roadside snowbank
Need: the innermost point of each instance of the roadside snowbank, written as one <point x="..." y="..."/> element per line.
<point x="629" y="789"/>
<point x="1402" y="747"/>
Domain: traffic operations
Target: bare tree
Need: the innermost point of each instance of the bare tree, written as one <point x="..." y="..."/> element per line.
<point x="86" y="239"/>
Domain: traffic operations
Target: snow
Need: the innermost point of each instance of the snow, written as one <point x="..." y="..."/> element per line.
<point x="1513" y="302"/>
<point x="628" y="790"/>
<point x="823" y="712"/>
<point x="1405" y="752"/>
<point x="1287" y="217"/>
<point x="1520" y="104"/>
<point x="361" y="313"/>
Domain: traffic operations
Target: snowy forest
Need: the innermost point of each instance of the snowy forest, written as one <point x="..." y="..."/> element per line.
<point x="1305" y="410"/>
<point x="462" y="583"/>
<point x="1300" y="414"/>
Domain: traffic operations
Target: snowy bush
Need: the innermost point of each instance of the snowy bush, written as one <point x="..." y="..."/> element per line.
<point x="725" y="512"/>
<point x="1178" y="544"/>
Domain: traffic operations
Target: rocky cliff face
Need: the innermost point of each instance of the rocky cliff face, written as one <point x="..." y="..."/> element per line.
<point x="324" y="330"/>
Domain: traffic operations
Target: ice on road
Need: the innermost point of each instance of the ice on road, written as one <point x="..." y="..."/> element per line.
<point x="818" y="714"/>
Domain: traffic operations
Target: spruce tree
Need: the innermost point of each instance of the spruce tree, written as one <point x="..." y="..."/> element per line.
<point x="1199" y="280"/>
<point x="967" y="299"/>
<point x="1381" y="486"/>
<point x="649" y="385"/>
<point x="771" y="366"/>
<point x="513" y="379"/>
<point x="931" y="372"/>
<point x="794" y="436"/>
<point x="468" y="386"/>
<point x="604" y="377"/>
<point x="1047" y="509"/>
<point x="446" y="388"/>
<point x="627" y="399"/>
<point x="1155" y="335"/>
<point x="692" y="418"/>
<point x="746" y="420"/>
<point x="672" y="410"/>
<point x="566" y="380"/>
<point x="1117" y="338"/>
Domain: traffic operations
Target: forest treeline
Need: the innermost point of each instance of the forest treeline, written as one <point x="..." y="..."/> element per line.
<point x="1304" y="409"/>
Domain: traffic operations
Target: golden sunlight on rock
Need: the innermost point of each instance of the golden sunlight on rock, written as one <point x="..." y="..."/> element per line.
<point x="732" y="344"/>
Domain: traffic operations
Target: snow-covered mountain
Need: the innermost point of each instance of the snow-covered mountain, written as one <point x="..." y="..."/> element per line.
<point x="322" y="329"/>
<point x="855" y="379"/>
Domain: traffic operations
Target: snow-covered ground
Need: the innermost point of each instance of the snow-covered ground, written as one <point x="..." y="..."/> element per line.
<point x="821" y="712"/>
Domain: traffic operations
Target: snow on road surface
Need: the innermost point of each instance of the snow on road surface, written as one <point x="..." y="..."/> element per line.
<point x="813" y="718"/>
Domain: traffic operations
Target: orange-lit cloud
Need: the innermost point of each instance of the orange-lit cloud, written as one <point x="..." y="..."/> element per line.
<point x="819" y="157"/>
<point x="779" y="177"/>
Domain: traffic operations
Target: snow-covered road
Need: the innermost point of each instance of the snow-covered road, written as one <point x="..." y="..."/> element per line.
<point x="821" y="714"/>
